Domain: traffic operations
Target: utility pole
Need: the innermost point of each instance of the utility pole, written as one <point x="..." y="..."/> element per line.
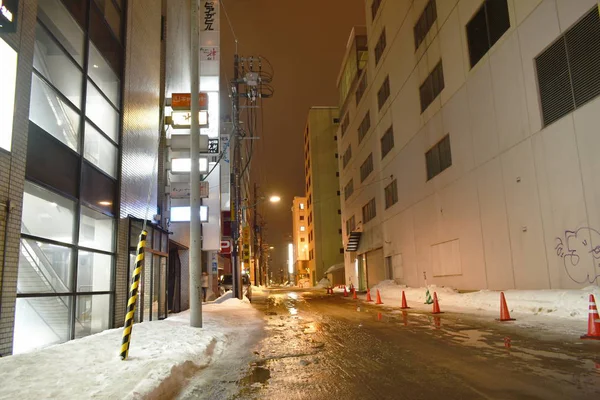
<point x="255" y="239"/>
<point x="235" y="178"/>
<point x="195" y="201"/>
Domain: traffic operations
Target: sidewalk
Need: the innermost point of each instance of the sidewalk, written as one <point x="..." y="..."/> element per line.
<point x="564" y="311"/>
<point x="162" y="356"/>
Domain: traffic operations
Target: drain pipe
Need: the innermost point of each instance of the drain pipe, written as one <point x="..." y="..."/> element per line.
<point x="6" y="220"/>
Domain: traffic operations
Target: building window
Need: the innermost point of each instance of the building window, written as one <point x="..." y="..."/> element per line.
<point x="341" y="250"/>
<point x="336" y="120"/>
<point x="369" y="211"/>
<point x="302" y="228"/>
<point x="345" y="123"/>
<point x="302" y="218"/>
<point x="350" y="225"/>
<point x="384" y="92"/>
<point x="391" y="194"/>
<point x="374" y="8"/>
<point x="361" y="88"/>
<point x="380" y="46"/>
<point x="425" y="23"/>
<point x="8" y="71"/>
<point x="349" y="189"/>
<point x="347" y="156"/>
<point x="302" y="206"/>
<point x="432" y="87"/>
<point x="366" y="168"/>
<point x="568" y="71"/>
<point x="302" y="239"/>
<point x="387" y="142"/>
<point x="486" y="27"/>
<point x="389" y="268"/>
<point x="438" y="158"/>
<point x="364" y="127"/>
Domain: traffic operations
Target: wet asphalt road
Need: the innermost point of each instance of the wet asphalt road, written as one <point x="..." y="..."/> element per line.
<point x="328" y="347"/>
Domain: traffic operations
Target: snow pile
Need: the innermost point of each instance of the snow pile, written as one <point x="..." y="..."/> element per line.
<point x="162" y="357"/>
<point x="323" y="283"/>
<point x="557" y="303"/>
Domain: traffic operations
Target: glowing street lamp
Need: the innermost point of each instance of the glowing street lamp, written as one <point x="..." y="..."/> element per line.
<point x="275" y="199"/>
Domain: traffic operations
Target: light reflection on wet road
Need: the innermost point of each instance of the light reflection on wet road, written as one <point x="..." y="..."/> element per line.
<point x="328" y="347"/>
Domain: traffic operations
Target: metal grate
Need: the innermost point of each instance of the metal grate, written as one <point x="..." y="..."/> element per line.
<point x="568" y="71"/>
<point x="387" y="142"/>
<point x="583" y="47"/>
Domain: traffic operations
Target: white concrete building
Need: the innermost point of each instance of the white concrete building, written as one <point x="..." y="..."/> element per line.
<point x="475" y="132"/>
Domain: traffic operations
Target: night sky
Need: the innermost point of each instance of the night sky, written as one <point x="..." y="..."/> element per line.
<point x="305" y="42"/>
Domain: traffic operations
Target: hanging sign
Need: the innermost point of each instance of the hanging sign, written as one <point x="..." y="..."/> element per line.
<point x="183" y="101"/>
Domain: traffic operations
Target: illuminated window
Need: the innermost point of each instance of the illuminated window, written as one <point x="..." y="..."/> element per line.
<point x="302" y="206"/>
<point x="8" y="71"/>
<point x="302" y="228"/>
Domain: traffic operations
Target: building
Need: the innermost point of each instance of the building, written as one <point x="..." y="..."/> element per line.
<point x="472" y="131"/>
<point x="87" y="159"/>
<point x="300" y="242"/>
<point x="322" y="191"/>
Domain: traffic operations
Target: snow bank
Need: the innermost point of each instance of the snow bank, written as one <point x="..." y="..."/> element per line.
<point x="572" y="304"/>
<point x="162" y="356"/>
<point x="323" y="283"/>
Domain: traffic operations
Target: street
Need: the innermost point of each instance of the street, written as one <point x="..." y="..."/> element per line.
<point x="320" y="347"/>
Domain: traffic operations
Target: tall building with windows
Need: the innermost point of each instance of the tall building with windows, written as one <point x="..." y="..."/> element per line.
<point x="77" y="167"/>
<point x="322" y="191"/>
<point x="300" y="241"/>
<point x="472" y="131"/>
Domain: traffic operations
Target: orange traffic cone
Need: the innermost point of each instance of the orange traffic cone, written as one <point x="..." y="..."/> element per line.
<point x="504" y="314"/>
<point x="436" y="306"/>
<point x="404" y="305"/>
<point x="378" y="298"/>
<point x="593" y="321"/>
<point x="354" y="296"/>
<point x="345" y="292"/>
<point x="369" y="299"/>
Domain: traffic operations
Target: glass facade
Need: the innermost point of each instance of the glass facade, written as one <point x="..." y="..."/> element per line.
<point x="68" y="231"/>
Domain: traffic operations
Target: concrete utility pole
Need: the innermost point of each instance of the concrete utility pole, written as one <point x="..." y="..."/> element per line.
<point x="255" y="239"/>
<point x="195" y="201"/>
<point x="235" y="182"/>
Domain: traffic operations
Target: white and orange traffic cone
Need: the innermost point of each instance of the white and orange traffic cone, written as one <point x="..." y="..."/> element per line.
<point x="436" y="306"/>
<point x="504" y="314"/>
<point x="593" y="321"/>
<point x="404" y="304"/>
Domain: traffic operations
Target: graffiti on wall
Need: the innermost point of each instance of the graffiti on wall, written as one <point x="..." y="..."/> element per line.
<point x="575" y="247"/>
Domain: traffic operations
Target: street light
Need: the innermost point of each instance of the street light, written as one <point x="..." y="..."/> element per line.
<point x="275" y="199"/>
<point x="271" y="248"/>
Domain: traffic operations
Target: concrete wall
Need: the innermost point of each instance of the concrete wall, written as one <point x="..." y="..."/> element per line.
<point x="517" y="196"/>
<point x="12" y="171"/>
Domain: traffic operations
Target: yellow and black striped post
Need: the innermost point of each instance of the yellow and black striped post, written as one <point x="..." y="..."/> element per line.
<point x="133" y="292"/>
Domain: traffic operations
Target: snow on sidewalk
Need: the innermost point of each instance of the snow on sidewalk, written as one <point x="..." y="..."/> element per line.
<point x="566" y="309"/>
<point x="163" y="354"/>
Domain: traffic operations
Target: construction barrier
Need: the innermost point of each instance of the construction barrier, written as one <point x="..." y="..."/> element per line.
<point x="133" y="291"/>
